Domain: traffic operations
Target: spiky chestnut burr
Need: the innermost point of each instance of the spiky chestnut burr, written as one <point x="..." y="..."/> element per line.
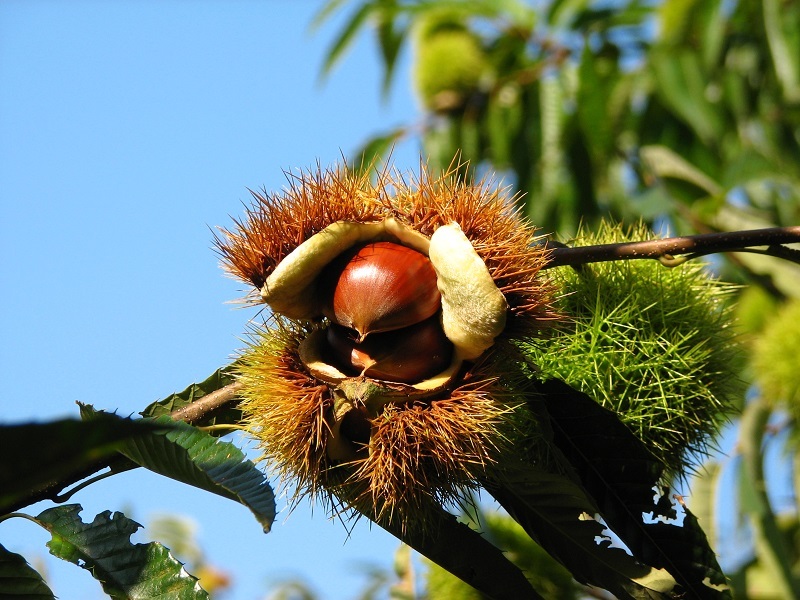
<point x="656" y="345"/>
<point x="387" y="444"/>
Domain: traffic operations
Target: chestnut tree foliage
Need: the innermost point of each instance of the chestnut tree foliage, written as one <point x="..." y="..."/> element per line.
<point x="679" y="116"/>
<point x="682" y="113"/>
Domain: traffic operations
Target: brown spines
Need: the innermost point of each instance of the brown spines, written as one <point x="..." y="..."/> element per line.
<point x="275" y="224"/>
<point x="285" y="406"/>
<point x="427" y="454"/>
<point x="420" y="453"/>
<point x="487" y="217"/>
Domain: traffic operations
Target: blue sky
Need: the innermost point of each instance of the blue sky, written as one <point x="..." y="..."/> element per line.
<point x="127" y="131"/>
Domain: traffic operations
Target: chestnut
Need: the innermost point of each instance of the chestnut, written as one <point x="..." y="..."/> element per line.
<point x="407" y="355"/>
<point x="380" y="286"/>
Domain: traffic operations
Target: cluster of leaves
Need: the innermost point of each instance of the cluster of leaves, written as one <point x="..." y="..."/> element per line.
<point x="637" y="109"/>
<point x="683" y="113"/>
<point x="41" y="457"/>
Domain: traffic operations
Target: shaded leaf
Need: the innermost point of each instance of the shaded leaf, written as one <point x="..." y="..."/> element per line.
<point x="502" y="123"/>
<point x="125" y="570"/>
<point x="598" y="76"/>
<point x="556" y="512"/>
<point x="38" y="455"/>
<point x="620" y="474"/>
<point x="467" y="555"/>
<point x="192" y="456"/>
<point x="19" y="580"/>
<point x="390" y="40"/>
<point x="682" y="82"/>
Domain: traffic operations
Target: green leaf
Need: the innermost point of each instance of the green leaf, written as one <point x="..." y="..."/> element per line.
<point x="663" y="162"/>
<point x="125" y="570"/>
<point x="619" y="473"/>
<point x="542" y="570"/>
<point x="19" y="580"/>
<point x="502" y="123"/>
<point x="390" y="40"/>
<point x="551" y="100"/>
<point x="785" y="59"/>
<point x="562" y="13"/>
<point x="440" y="143"/>
<point x="192" y="456"/>
<point x="598" y="76"/>
<point x="216" y="381"/>
<point x="713" y="33"/>
<point x="326" y="12"/>
<point x="375" y="149"/>
<point x="36" y="455"/>
<point x="704" y="487"/>
<point x="681" y="83"/>
<point x="347" y="35"/>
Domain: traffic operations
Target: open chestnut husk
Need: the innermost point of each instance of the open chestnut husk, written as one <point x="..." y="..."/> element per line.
<point x="407" y="355"/>
<point x="380" y="286"/>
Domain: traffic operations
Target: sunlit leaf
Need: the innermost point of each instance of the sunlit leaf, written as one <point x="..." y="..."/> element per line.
<point x="348" y="34"/>
<point x="704" y="489"/>
<point x="666" y="163"/>
<point x="785" y="55"/>
<point x="376" y="149"/>
<point x="326" y="12"/>
<point x="126" y="571"/>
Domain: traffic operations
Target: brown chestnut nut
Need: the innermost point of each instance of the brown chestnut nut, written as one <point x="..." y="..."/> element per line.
<point x="407" y="355"/>
<point x="381" y="286"/>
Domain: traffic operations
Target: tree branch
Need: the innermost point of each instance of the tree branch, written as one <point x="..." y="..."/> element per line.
<point x="665" y="250"/>
<point x="202" y="409"/>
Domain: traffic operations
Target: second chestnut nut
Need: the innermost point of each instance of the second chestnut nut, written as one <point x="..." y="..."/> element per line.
<point x="406" y="355"/>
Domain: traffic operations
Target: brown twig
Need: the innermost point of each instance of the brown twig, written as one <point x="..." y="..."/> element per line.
<point x="692" y="245"/>
<point x="202" y="409"/>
